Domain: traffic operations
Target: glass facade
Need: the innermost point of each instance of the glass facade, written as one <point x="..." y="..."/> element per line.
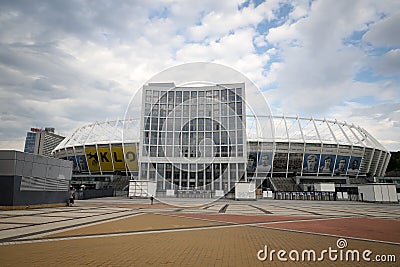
<point x="30" y="142"/>
<point x="193" y="137"/>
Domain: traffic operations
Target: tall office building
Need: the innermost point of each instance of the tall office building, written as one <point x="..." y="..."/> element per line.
<point x="30" y="141"/>
<point x="42" y="141"/>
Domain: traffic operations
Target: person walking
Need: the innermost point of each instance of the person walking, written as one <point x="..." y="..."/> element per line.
<point x="71" y="196"/>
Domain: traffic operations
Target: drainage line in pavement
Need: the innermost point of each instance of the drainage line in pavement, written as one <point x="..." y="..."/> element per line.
<point x="261" y="209"/>
<point x="355" y="213"/>
<point x="291" y="208"/>
<point x="178" y="210"/>
<point x="145" y="231"/>
<point x="224" y="208"/>
<point x="61" y="220"/>
<point x="10" y="239"/>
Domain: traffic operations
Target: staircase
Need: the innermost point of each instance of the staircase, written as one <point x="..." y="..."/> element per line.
<point x="120" y="183"/>
<point x="358" y="180"/>
<point x="284" y="184"/>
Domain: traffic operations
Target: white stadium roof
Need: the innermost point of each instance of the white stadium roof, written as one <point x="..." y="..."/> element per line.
<point x="286" y="129"/>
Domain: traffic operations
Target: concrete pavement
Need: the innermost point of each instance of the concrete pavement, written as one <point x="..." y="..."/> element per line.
<point x="130" y="232"/>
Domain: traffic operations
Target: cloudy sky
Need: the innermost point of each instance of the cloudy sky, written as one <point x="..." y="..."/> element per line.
<point x="67" y="63"/>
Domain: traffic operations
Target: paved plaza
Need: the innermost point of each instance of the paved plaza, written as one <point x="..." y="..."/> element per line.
<point x="131" y="232"/>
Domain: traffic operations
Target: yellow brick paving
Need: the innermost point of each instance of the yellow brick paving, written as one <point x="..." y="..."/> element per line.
<point x="233" y="246"/>
<point x="139" y="222"/>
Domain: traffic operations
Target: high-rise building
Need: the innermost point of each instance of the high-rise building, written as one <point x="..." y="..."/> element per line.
<point x="30" y="141"/>
<point x="42" y="141"/>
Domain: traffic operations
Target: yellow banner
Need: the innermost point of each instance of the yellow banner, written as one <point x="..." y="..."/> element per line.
<point x="131" y="158"/>
<point x="92" y="159"/>
<point x="118" y="158"/>
<point x="105" y="160"/>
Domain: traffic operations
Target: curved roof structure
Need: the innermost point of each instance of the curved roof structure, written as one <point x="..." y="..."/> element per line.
<point x="287" y="129"/>
<point x="309" y="130"/>
<point x="107" y="132"/>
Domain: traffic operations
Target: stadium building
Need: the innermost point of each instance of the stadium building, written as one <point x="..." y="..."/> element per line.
<point x="201" y="138"/>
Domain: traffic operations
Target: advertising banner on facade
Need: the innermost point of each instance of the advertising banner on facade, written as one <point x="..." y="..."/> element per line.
<point x="327" y="162"/>
<point x="82" y="164"/>
<point x="251" y="163"/>
<point x="280" y="162"/>
<point x="131" y="157"/>
<point x="104" y="156"/>
<point x="118" y="157"/>
<point x="311" y="163"/>
<point x="295" y="162"/>
<point x="92" y="159"/>
<point x="264" y="162"/>
<point x="354" y="165"/>
<point x="74" y="163"/>
<point x="341" y="164"/>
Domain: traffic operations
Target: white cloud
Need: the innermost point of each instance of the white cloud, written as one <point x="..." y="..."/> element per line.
<point x="235" y="50"/>
<point x="222" y="22"/>
<point x="300" y="9"/>
<point x="283" y="33"/>
<point x="318" y="69"/>
<point x="68" y="63"/>
<point x="385" y="32"/>
<point x="16" y="144"/>
<point x="388" y="64"/>
<point x="260" y="41"/>
<point x="382" y="121"/>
